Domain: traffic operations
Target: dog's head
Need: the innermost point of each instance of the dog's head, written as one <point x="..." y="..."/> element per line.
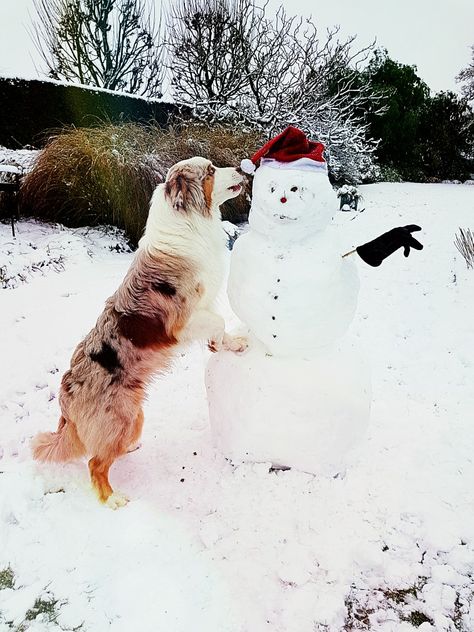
<point x="197" y="186"/>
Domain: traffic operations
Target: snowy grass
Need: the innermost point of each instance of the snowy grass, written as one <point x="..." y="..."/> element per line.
<point x="7" y="578"/>
<point x="48" y="248"/>
<point x="464" y="242"/>
<point x="208" y="547"/>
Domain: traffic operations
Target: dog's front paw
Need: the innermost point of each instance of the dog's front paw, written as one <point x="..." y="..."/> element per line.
<point x="214" y="345"/>
<point x="116" y="500"/>
<point x="237" y="344"/>
<point x="216" y="341"/>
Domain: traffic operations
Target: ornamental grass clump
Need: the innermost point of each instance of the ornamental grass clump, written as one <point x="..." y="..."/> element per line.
<point x="107" y="174"/>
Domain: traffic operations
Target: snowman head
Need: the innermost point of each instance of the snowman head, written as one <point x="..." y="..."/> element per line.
<point x="292" y="195"/>
<point x="293" y="200"/>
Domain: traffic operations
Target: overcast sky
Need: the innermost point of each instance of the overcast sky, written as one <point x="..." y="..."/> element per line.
<point x="434" y="35"/>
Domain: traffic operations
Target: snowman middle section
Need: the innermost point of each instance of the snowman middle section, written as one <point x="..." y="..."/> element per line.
<point x="295" y="298"/>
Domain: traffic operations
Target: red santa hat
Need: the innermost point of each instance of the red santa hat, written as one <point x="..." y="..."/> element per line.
<point x="289" y="150"/>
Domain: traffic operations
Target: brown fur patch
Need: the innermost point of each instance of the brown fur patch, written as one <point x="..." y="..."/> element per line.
<point x="135" y="384"/>
<point x="62" y="445"/>
<point x="189" y="188"/>
<point x="176" y="188"/>
<point x="144" y="331"/>
<point x="208" y="187"/>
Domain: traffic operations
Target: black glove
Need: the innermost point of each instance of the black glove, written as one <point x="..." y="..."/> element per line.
<point x="375" y="251"/>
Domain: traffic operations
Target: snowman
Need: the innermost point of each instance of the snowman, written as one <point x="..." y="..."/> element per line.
<point x="300" y="395"/>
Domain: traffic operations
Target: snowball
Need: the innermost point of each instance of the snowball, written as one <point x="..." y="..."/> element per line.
<point x="289" y="205"/>
<point x="304" y="414"/>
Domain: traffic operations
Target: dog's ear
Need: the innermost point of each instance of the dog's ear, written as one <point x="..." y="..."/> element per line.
<point x="176" y="189"/>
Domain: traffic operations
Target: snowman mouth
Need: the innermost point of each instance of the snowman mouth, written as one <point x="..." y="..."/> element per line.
<point x="285" y="217"/>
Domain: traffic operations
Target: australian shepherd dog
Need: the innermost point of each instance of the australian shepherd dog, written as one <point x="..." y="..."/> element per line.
<point x="165" y="300"/>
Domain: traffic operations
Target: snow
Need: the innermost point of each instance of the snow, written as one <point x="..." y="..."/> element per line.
<point x="238" y="549"/>
<point x="17" y="160"/>
<point x="84" y="86"/>
<point x="296" y="412"/>
<point x="9" y="169"/>
<point x="44" y="249"/>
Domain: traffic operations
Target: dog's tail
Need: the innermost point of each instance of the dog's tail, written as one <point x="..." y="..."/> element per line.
<point x="62" y="445"/>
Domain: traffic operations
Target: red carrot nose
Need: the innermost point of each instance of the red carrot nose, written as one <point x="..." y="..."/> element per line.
<point x="283" y="200"/>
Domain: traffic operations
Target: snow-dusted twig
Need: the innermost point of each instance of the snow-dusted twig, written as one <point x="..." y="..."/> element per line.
<point x="464" y="242"/>
<point x="276" y="71"/>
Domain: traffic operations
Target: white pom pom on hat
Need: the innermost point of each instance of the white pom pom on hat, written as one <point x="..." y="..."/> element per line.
<point x="247" y="166"/>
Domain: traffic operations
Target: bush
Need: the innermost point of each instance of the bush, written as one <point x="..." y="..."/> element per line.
<point x="106" y="175"/>
<point x="389" y="174"/>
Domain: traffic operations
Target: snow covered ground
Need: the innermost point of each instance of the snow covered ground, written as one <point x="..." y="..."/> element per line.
<point x="207" y="547"/>
<point x="21" y="159"/>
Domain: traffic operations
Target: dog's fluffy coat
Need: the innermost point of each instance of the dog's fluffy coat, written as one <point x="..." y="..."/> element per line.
<point x="166" y="299"/>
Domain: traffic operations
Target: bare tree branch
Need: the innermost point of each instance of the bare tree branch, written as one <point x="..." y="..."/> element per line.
<point x="231" y="61"/>
<point x="114" y="44"/>
<point x="466" y="76"/>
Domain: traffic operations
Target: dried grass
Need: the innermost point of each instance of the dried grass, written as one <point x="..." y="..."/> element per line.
<point x="464" y="242"/>
<point x="106" y="175"/>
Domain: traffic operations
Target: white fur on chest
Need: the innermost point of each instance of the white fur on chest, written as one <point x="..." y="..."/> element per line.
<point x="210" y="255"/>
<point x="197" y="239"/>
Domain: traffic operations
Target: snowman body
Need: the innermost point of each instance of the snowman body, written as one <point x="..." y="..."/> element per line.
<point x="300" y="396"/>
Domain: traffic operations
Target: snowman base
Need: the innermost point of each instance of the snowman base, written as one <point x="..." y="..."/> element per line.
<point x="291" y="413"/>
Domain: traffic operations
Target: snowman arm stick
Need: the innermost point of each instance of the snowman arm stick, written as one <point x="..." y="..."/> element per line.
<point x="351" y="252"/>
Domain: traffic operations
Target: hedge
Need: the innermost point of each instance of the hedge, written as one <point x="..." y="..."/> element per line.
<point x="31" y="108"/>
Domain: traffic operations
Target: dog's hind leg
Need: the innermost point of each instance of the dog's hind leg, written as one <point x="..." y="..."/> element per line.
<point x="136" y="433"/>
<point x="105" y="455"/>
<point x="99" y="471"/>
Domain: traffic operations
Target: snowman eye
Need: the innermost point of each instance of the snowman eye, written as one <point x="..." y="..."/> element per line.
<point x="294" y="189"/>
<point x="272" y="189"/>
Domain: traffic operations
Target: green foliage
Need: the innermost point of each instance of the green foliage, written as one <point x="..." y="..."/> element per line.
<point x="7" y="576"/>
<point x="47" y="607"/>
<point x="446" y="137"/>
<point x="422" y="137"/>
<point x="389" y="174"/>
<point x="398" y="126"/>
